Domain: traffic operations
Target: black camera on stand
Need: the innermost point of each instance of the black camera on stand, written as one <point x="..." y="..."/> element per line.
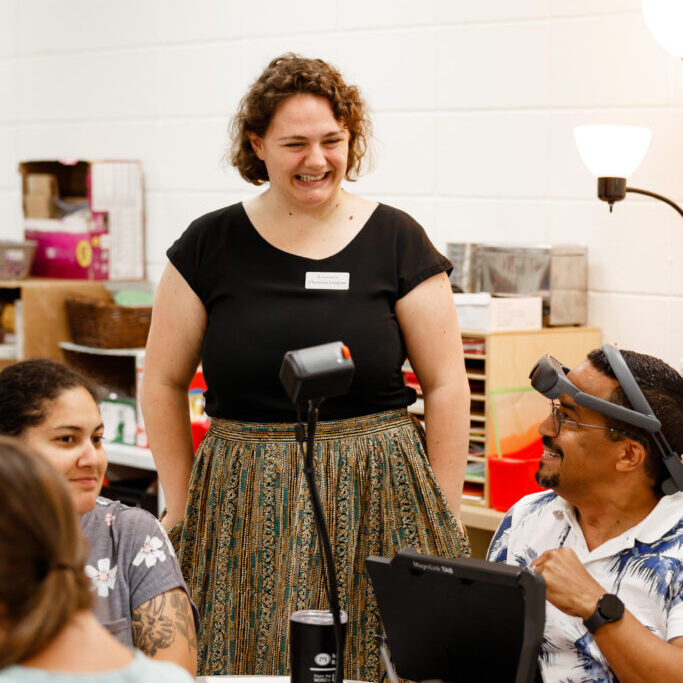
<point x="309" y="376"/>
<point x="317" y="372"/>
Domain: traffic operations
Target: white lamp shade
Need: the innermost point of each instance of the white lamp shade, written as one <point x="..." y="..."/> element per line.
<point x="664" y="18"/>
<point x="612" y="151"/>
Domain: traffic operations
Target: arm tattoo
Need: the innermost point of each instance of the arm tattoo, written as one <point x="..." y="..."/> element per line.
<point x="183" y="618"/>
<point x="152" y="629"/>
<point x="156" y="623"/>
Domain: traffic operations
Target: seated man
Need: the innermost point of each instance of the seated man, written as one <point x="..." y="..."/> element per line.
<point x="607" y="539"/>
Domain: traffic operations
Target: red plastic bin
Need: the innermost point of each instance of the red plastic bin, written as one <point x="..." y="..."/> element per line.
<point x="513" y="476"/>
<point x="199" y="430"/>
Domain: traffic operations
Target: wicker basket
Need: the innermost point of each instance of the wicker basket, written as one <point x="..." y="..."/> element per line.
<point x="105" y="325"/>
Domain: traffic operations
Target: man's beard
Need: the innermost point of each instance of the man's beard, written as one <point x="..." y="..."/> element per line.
<point x="548" y="481"/>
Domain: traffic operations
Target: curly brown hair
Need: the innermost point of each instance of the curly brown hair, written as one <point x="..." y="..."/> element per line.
<point x="287" y="75"/>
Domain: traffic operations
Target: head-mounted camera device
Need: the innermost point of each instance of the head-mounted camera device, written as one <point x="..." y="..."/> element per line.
<point x="549" y="377"/>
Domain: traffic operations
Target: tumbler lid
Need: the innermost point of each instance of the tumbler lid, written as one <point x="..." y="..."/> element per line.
<point x="320" y="617"/>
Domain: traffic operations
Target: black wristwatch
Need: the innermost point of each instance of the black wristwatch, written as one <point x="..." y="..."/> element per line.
<point x="610" y="609"/>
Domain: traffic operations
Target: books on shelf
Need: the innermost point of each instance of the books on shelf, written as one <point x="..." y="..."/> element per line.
<point x="476" y="472"/>
<point x="473" y="492"/>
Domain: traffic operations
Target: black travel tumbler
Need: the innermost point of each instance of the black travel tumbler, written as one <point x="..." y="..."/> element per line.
<point x="312" y="646"/>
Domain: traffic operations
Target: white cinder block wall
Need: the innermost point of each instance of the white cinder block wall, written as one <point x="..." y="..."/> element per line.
<point x="474" y="107"/>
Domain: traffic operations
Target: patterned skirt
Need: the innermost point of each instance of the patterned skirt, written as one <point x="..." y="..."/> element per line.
<point x="248" y="546"/>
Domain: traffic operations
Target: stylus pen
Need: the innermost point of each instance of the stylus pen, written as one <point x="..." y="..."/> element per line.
<point x="391" y="673"/>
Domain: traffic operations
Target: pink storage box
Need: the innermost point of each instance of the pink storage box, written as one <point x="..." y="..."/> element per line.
<point x="100" y="235"/>
<point x="79" y="251"/>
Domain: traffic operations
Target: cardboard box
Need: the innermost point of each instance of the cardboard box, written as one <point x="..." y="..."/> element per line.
<point x="102" y="239"/>
<point x="42" y="184"/>
<point x="482" y="311"/>
<point x="41" y="190"/>
<point x="39" y="206"/>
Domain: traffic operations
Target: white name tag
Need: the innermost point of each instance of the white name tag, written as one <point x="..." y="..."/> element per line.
<point x="327" y="280"/>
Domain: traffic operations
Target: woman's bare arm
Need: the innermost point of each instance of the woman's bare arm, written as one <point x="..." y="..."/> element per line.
<point x="171" y="359"/>
<point x="430" y="328"/>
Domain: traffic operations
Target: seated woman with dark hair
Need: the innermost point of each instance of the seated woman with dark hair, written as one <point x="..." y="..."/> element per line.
<point x="47" y="631"/>
<point x="141" y="595"/>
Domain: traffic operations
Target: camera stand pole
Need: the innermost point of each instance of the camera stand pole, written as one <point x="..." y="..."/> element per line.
<point x="326" y="556"/>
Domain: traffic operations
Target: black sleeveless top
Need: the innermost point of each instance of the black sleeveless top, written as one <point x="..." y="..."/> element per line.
<point x="259" y="306"/>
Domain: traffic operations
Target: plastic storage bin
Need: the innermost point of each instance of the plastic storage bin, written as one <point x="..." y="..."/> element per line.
<point x="513" y="476"/>
<point x="16" y="259"/>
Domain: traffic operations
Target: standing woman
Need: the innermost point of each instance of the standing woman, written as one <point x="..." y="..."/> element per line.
<point x="301" y="264"/>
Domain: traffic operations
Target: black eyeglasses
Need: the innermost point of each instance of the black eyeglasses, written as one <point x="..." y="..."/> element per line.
<point x="558" y="420"/>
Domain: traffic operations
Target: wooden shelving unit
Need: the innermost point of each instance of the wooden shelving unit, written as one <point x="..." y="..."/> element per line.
<point x="40" y="315"/>
<point x="505" y="363"/>
<point x="502" y="360"/>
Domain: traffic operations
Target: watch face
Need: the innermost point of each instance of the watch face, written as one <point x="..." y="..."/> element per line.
<point x="611" y="607"/>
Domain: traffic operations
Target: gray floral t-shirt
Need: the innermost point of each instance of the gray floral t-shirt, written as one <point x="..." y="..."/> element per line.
<point x="131" y="561"/>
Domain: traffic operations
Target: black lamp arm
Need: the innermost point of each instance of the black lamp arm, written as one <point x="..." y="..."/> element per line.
<point x="656" y="196"/>
<point x="612" y="190"/>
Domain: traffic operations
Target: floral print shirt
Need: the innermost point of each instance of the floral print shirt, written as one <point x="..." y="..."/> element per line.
<point x="643" y="566"/>
<point x="131" y="561"/>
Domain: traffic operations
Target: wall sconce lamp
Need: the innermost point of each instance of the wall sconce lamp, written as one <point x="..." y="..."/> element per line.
<point x="612" y="153"/>
<point x="664" y="18"/>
